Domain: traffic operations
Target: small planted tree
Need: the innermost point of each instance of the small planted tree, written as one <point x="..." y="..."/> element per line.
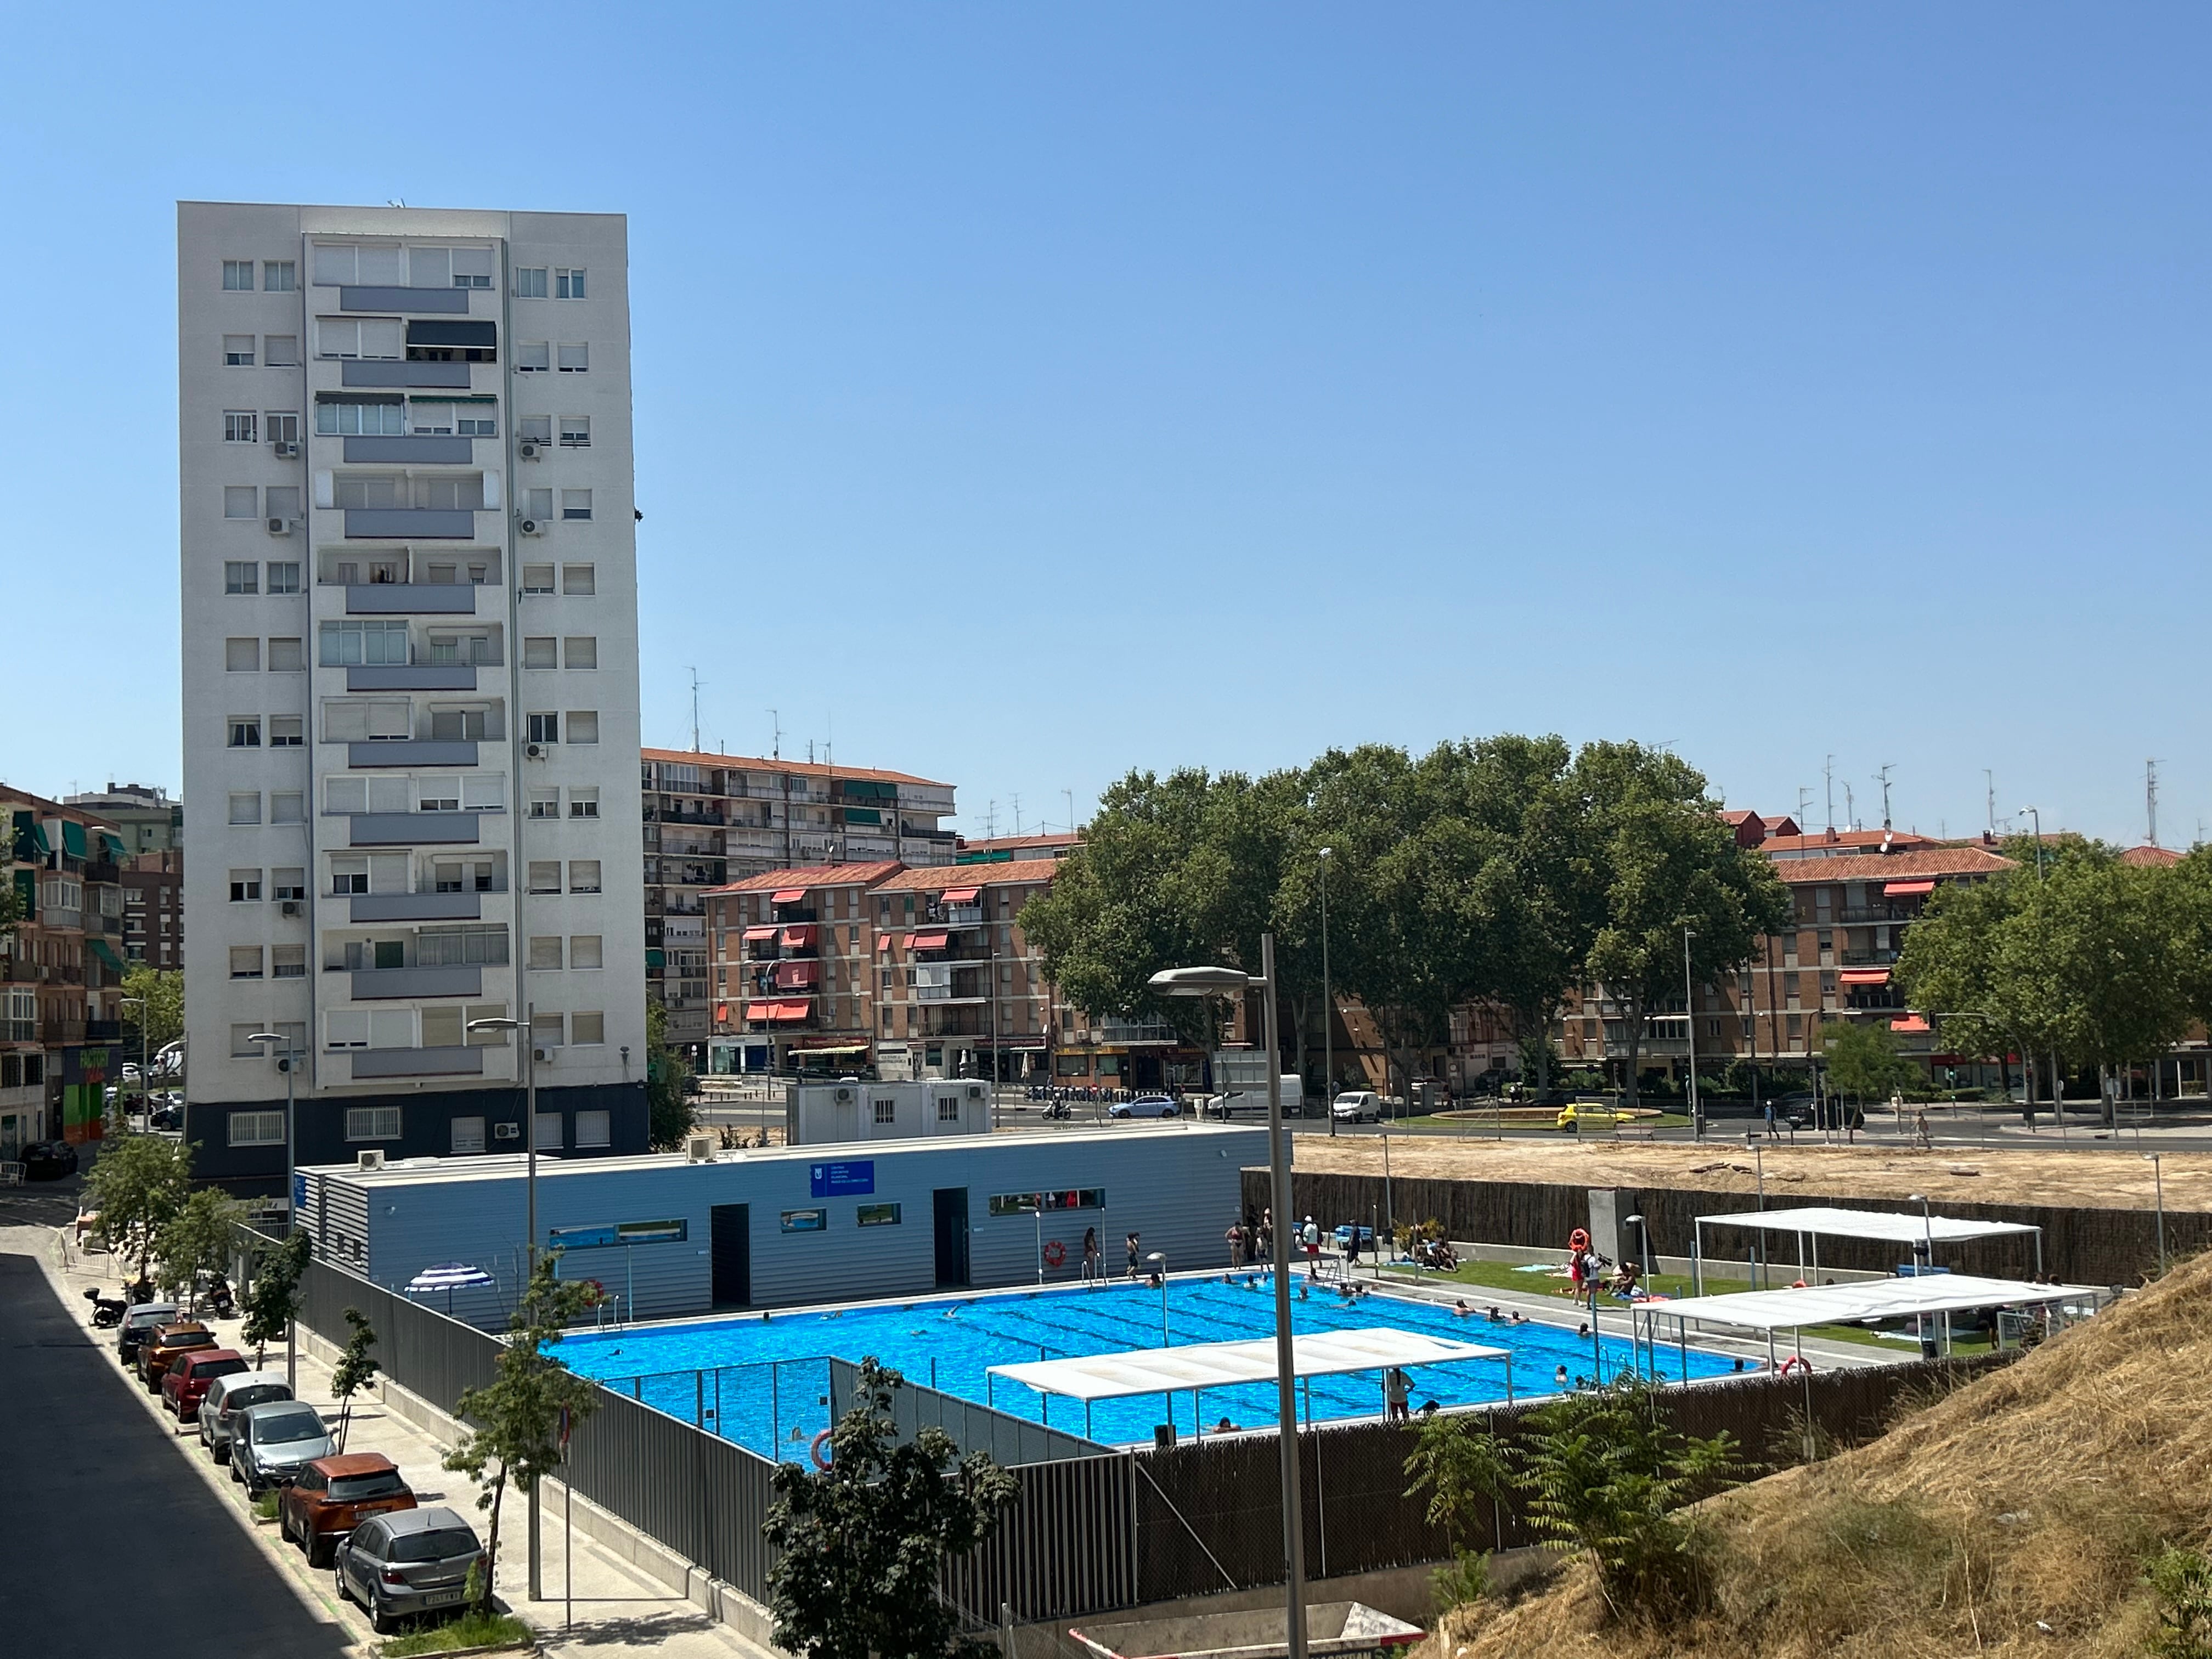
<point x="272" y="1301"/>
<point x="862" y="1540"/>
<point x="139" y="1183"/>
<point x="1461" y="1468"/>
<point x="514" y="1423"/>
<point x="194" y="1240"/>
<point x="1864" y="1062"/>
<point x="355" y="1370"/>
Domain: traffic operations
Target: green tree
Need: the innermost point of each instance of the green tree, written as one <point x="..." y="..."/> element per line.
<point x="137" y="1185"/>
<point x="1663" y="861"/>
<point x="159" y="1016"/>
<point x="355" y="1370"/>
<point x="1462" y="1468"/>
<point x="671" y="1113"/>
<point x="195" y="1239"/>
<point x="2182" y="1580"/>
<point x="272" y="1298"/>
<point x="1863" y="1061"/>
<point x="863" y="1542"/>
<point x="514" y="1421"/>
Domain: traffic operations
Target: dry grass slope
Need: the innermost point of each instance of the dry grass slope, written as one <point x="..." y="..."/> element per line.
<point x="2015" y="1517"/>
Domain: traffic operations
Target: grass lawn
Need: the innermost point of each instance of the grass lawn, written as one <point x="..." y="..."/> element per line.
<point x="1479" y="1126"/>
<point x="470" y="1630"/>
<point x="1504" y="1276"/>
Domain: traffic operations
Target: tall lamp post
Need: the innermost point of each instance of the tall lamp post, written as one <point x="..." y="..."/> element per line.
<point x="1690" y="1013"/>
<point x="1328" y="1009"/>
<point x="2057" y="1085"/>
<point x="1927" y="1266"/>
<point x="504" y="1022"/>
<point x="145" y="1067"/>
<point x="1231" y="981"/>
<point x="2157" y="1179"/>
<point x="289" y="1063"/>
<point x="1643" y="1233"/>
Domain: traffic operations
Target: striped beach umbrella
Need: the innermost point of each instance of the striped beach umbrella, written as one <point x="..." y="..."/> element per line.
<point x="449" y="1276"/>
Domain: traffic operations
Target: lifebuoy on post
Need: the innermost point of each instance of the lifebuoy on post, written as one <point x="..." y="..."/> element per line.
<point x="814" y="1451"/>
<point x="1796" y="1362"/>
<point x="1054" y="1252"/>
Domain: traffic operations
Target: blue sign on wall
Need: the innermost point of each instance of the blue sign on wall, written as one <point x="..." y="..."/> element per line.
<point x="841" y="1180"/>
<point x="298" y="1193"/>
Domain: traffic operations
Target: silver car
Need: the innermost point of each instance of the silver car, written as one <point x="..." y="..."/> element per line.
<point x="226" y="1397"/>
<point x="270" y="1444"/>
<point x="407" y="1562"/>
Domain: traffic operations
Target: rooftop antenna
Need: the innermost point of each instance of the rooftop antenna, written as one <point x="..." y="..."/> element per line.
<point x="1070" y="794"/>
<point x="694" y="711"/>
<point x="1850" y="807"/>
<point x="1991" y="779"/>
<point x="1828" y="775"/>
<point x="1882" y="776"/>
<point x="810" y="751"/>
<point x="991" y="821"/>
<point x="1018" y="815"/>
<point x="776" y="725"/>
<point x="2150" y="798"/>
<point x="830" y="742"/>
<point x="1804" y="806"/>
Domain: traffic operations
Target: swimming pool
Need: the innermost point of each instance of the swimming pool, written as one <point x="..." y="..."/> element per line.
<point x="763" y="1382"/>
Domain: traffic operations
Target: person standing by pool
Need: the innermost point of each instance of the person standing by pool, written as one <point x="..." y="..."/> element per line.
<point x="1092" y="1268"/>
<point x="1395" y="1392"/>
<point x="1131" y="1246"/>
<point x="1267" y="1234"/>
<point x="1310" y="1236"/>
<point x="1236" y="1237"/>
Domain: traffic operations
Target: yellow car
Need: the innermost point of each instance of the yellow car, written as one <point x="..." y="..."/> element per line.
<point x="1570" y="1117"/>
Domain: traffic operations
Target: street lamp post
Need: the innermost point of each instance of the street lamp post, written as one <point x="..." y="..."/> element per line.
<point x="145" y="1066"/>
<point x="1644" y="1235"/>
<point x="1161" y="1257"/>
<point x="2157" y="1179"/>
<point x="289" y="1063"/>
<point x="1216" y="981"/>
<point x="2057" y="1085"/>
<point x="502" y="1023"/>
<point x="1758" y="1162"/>
<point x="1927" y="1266"/>
<point x="1690" y="1013"/>
<point x="1327" y="1008"/>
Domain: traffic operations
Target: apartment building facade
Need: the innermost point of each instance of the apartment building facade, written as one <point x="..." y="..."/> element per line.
<point x="61" y="972"/>
<point x="143" y="814"/>
<point x="409" y="681"/>
<point x="711" y="819"/>
<point x="154" y="909"/>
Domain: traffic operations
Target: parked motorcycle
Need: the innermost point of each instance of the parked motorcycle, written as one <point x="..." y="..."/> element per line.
<point x="106" y="1311"/>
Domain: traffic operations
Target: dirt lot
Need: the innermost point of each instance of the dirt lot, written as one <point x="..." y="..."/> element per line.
<point x="2106" y="1180"/>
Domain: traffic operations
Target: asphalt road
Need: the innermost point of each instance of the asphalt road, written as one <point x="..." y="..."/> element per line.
<point x="111" y="1546"/>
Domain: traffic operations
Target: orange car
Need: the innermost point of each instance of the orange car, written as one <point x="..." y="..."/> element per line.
<point x="159" y="1351"/>
<point x="333" y="1495"/>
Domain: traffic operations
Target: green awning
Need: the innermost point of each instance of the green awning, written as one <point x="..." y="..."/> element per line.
<point x="106" y="952"/>
<point x="27" y="889"/>
<point x="656" y="958"/>
<point x="865" y="789"/>
<point x="460" y="398"/>
<point x="111" y="844"/>
<point x="30" y="838"/>
<point x="863" y="815"/>
<point x="73" y="838"/>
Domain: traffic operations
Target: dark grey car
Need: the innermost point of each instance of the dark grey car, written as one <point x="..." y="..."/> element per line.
<point x="138" y="1322"/>
<point x="270" y="1444"/>
<point x="405" y="1563"/>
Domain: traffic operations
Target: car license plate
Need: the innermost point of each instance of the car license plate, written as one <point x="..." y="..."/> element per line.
<point x="440" y="1598"/>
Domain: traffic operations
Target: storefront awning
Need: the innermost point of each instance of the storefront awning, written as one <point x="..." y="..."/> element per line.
<point x="928" y="941"/>
<point x="799" y="937"/>
<point x="1866" y="975"/>
<point x="788" y="896"/>
<point x="829" y="1047"/>
<point x="754" y="935"/>
<point x="1906" y="889"/>
<point x="1910" y="1024"/>
<point x="961" y="895"/>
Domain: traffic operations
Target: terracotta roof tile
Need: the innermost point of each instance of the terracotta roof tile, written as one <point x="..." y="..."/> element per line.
<point x="1839" y="841"/>
<point x="1920" y="862"/>
<point x="939" y="877"/>
<point x="2150" y="857"/>
<point x="797" y="769"/>
<point x="811" y="876"/>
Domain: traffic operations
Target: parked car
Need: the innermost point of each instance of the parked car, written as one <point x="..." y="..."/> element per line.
<point x="168" y="1344"/>
<point x="271" y="1442"/>
<point x="1145" y="1106"/>
<point x="226" y="1397"/>
<point x="48" y="1160"/>
<point x="167" y="1117"/>
<point x="407" y="1562"/>
<point x="334" y="1495"/>
<point x="1356" y="1106"/>
<point x="140" y="1322"/>
<point x="185" y="1383"/>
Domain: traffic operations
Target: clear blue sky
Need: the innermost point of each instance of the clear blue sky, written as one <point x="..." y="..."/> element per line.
<point x="1029" y="392"/>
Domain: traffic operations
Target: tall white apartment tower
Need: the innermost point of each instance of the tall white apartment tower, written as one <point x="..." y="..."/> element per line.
<point x="410" y="696"/>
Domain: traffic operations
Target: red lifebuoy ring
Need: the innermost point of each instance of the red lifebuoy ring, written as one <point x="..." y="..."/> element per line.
<point x="598" y="1290"/>
<point x="1054" y="1252"/>
<point x="814" y="1451"/>
<point x="1796" y="1362"/>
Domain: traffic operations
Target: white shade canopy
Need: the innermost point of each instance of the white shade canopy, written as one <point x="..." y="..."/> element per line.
<point x="1869" y="1298"/>
<point x="1225" y="1364"/>
<point x="1889" y="1227"/>
<point x="450" y="1276"/>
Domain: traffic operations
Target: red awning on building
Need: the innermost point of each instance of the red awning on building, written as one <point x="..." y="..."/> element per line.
<point x="961" y="895"/>
<point x="798" y="938"/>
<point x="796" y="976"/>
<point x="786" y="1009"/>
<point x="754" y="935"/>
<point x="1910" y="1023"/>
<point x="1906" y="889"/>
<point x="758" y="1010"/>
<point x="788" y="896"/>
<point x="721" y="1012"/>
<point x="882" y="944"/>
<point x="1866" y="975"/>
<point x="928" y="941"/>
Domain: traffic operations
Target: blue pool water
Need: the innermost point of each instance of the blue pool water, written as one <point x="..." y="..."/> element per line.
<point x="764" y="1383"/>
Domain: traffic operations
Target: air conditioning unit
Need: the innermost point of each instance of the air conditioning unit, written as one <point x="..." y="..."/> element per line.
<point x="287" y="452"/>
<point x="372" y="1160"/>
<point x="506" y="1132"/>
<point x="292" y="907"/>
<point x="975" y="1092"/>
<point x="280" y="526"/>
<point x="542" y="1056"/>
<point x="698" y="1149"/>
<point x="844" y="1097"/>
<point x="535" y="751"/>
<point x="529" y="449"/>
<point x="531" y="526"/>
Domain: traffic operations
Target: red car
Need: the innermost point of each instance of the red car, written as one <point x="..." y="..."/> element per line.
<point x="333" y="1495"/>
<point x="185" y="1384"/>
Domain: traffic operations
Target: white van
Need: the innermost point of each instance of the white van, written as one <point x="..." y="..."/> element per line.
<point x="1357" y="1106"/>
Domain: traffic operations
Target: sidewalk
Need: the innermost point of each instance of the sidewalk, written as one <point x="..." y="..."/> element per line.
<point x="618" y="1609"/>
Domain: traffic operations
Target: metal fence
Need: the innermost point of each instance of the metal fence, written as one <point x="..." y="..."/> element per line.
<point x="1008" y="1439"/>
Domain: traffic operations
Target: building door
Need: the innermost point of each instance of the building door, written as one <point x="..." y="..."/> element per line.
<point x="732" y="1254"/>
<point x="951" y="1219"/>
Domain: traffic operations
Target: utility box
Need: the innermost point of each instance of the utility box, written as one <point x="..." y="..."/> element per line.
<point x="827" y="1114"/>
<point x="1610" y="1234"/>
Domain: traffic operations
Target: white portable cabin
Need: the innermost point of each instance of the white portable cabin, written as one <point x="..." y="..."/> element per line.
<point x="824" y="1114"/>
